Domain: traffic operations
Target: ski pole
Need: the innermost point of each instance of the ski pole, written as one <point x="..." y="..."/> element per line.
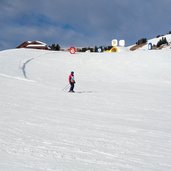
<point x="65" y="87"/>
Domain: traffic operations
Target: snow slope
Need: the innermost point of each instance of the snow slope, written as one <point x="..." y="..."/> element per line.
<point x="154" y="41"/>
<point x="119" y="119"/>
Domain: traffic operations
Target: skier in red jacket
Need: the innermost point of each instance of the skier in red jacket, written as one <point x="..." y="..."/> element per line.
<point x="71" y="81"/>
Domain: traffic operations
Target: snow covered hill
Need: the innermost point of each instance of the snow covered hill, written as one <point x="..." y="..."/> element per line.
<point x="118" y="119"/>
<point x="154" y="41"/>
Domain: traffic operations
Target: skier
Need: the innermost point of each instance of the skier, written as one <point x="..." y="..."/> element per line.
<point x="71" y="81"/>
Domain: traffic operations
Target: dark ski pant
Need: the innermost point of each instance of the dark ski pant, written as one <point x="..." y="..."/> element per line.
<point x="72" y="87"/>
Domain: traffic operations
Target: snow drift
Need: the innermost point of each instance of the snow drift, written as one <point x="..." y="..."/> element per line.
<point x="118" y="120"/>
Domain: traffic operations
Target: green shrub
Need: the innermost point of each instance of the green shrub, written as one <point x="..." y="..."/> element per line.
<point x="55" y="47"/>
<point x="162" y="42"/>
<point x="141" y="41"/>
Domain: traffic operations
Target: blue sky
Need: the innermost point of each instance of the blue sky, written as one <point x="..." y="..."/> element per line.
<point x="80" y="22"/>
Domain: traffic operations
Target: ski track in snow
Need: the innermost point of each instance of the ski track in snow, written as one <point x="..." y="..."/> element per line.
<point x="121" y="124"/>
<point x="24" y="67"/>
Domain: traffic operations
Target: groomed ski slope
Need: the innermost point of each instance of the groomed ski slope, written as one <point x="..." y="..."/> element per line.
<point x="118" y="119"/>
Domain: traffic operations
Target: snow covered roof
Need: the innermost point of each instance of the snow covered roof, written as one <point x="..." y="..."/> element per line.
<point x="34" y="44"/>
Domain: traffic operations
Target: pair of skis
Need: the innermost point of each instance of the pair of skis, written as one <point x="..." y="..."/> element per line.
<point x="67" y="87"/>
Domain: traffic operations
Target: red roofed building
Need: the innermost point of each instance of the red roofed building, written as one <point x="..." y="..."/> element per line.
<point x="34" y="45"/>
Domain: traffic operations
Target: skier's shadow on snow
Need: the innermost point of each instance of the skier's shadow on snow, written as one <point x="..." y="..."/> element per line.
<point x="84" y="92"/>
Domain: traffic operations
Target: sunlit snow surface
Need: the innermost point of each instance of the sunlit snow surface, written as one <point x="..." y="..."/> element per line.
<point x="118" y="119"/>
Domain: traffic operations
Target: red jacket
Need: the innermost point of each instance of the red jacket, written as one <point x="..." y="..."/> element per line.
<point x="71" y="78"/>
